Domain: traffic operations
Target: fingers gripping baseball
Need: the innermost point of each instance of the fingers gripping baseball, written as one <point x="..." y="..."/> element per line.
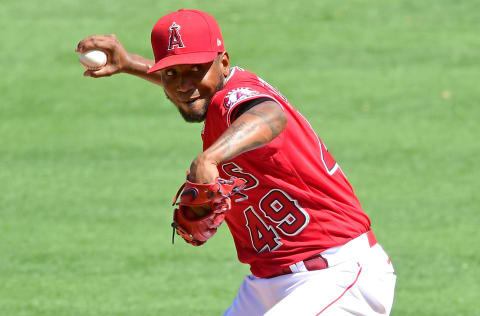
<point x="211" y="200"/>
<point x="117" y="56"/>
<point x="106" y="71"/>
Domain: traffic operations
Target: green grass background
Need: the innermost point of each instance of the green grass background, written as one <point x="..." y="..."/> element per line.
<point x="88" y="167"/>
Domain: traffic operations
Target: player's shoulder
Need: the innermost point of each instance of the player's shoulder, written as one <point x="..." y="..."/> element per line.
<point x="242" y="85"/>
<point x="240" y="77"/>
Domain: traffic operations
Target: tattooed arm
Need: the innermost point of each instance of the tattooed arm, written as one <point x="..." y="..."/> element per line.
<point x="253" y="129"/>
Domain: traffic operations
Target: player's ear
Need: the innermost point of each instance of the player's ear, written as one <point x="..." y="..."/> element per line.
<point x="225" y="63"/>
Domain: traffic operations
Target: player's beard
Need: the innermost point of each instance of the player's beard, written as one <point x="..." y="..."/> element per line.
<point x="202" y="114"/>
<point x="194" y="117"/>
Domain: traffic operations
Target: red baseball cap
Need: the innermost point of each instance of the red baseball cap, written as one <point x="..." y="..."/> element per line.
<point x="185" y="37"/>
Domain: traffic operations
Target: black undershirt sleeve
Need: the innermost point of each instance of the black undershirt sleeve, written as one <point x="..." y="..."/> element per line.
<point x="245" y="106"/>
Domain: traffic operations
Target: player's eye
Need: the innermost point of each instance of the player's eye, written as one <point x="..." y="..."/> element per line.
<point x="195" y="68"/>
<point x="170" y="72"/>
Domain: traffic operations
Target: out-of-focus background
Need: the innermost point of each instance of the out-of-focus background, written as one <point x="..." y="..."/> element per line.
<point x="88" y="167"/>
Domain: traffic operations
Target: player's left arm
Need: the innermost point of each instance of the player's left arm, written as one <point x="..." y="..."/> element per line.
<point x="252" y="129"/>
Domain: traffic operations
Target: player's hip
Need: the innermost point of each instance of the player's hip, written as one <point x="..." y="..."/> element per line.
<point x="363" y="249"/>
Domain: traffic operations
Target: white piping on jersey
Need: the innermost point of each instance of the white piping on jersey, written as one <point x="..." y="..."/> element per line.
<point x="319" y="142"/>
<point x="232" y="71"/>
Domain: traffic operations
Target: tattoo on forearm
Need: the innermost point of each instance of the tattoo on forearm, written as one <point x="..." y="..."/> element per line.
<point x="238" y="132"/>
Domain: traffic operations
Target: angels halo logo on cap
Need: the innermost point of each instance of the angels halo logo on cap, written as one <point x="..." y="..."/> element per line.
<point x="175" y="39"/>
<point x="185" y="37"/>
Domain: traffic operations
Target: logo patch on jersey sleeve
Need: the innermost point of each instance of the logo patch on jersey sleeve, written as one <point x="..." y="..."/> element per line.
<point x="238" y="95"/>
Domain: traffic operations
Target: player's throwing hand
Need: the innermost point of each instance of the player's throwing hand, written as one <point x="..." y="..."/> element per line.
<point x="118" y="58"/>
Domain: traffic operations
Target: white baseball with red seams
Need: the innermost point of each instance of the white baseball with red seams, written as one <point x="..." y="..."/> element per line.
<point x="93" y="59"/>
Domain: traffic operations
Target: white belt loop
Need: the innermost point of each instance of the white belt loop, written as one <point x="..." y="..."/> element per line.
<point x="298" y="267"/>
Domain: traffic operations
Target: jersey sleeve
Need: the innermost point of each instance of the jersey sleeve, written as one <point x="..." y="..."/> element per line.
<point x="245" y="106"/>
<point x="236" y="97"/>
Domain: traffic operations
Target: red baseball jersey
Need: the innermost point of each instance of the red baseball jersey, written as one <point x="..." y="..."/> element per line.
<point x="297" y="201"/>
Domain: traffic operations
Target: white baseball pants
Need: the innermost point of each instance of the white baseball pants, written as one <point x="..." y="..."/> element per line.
<point x="360" y="280"/>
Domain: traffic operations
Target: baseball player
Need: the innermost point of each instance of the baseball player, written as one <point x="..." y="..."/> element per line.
<point x="293" y="215"/>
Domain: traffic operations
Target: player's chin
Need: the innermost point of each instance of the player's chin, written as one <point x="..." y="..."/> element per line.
<point x="195" y="112"/>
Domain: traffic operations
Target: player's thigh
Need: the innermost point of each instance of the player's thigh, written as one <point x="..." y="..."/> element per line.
<point x="376" y="285"/>
<point x="252" y="298"/>
<point x="346" y="289"/>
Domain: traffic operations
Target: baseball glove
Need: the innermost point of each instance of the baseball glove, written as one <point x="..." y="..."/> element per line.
<point x="212" y="199"/>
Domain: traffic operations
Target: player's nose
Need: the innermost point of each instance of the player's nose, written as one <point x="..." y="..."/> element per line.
<point x="185" y="84"/>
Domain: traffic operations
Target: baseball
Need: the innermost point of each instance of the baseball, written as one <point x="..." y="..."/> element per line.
<point x="93" y="59"/>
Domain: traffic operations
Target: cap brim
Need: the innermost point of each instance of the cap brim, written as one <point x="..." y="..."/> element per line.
<point x="183" y="59"/>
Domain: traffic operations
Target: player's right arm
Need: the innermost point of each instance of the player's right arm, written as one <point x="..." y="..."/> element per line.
<point x="119" y="60"/>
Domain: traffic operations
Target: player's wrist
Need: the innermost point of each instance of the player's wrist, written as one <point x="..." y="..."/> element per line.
<point x="203" y="169"/>
<point x="209" y="158"/>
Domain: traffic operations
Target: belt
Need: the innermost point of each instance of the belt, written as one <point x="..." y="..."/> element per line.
<point x="319" y="262"/>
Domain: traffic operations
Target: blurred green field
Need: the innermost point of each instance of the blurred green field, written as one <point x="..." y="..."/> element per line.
<point x="88" y="168"/>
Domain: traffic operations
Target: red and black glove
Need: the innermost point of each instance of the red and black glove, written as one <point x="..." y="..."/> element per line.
<point x="212" y="199"/>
